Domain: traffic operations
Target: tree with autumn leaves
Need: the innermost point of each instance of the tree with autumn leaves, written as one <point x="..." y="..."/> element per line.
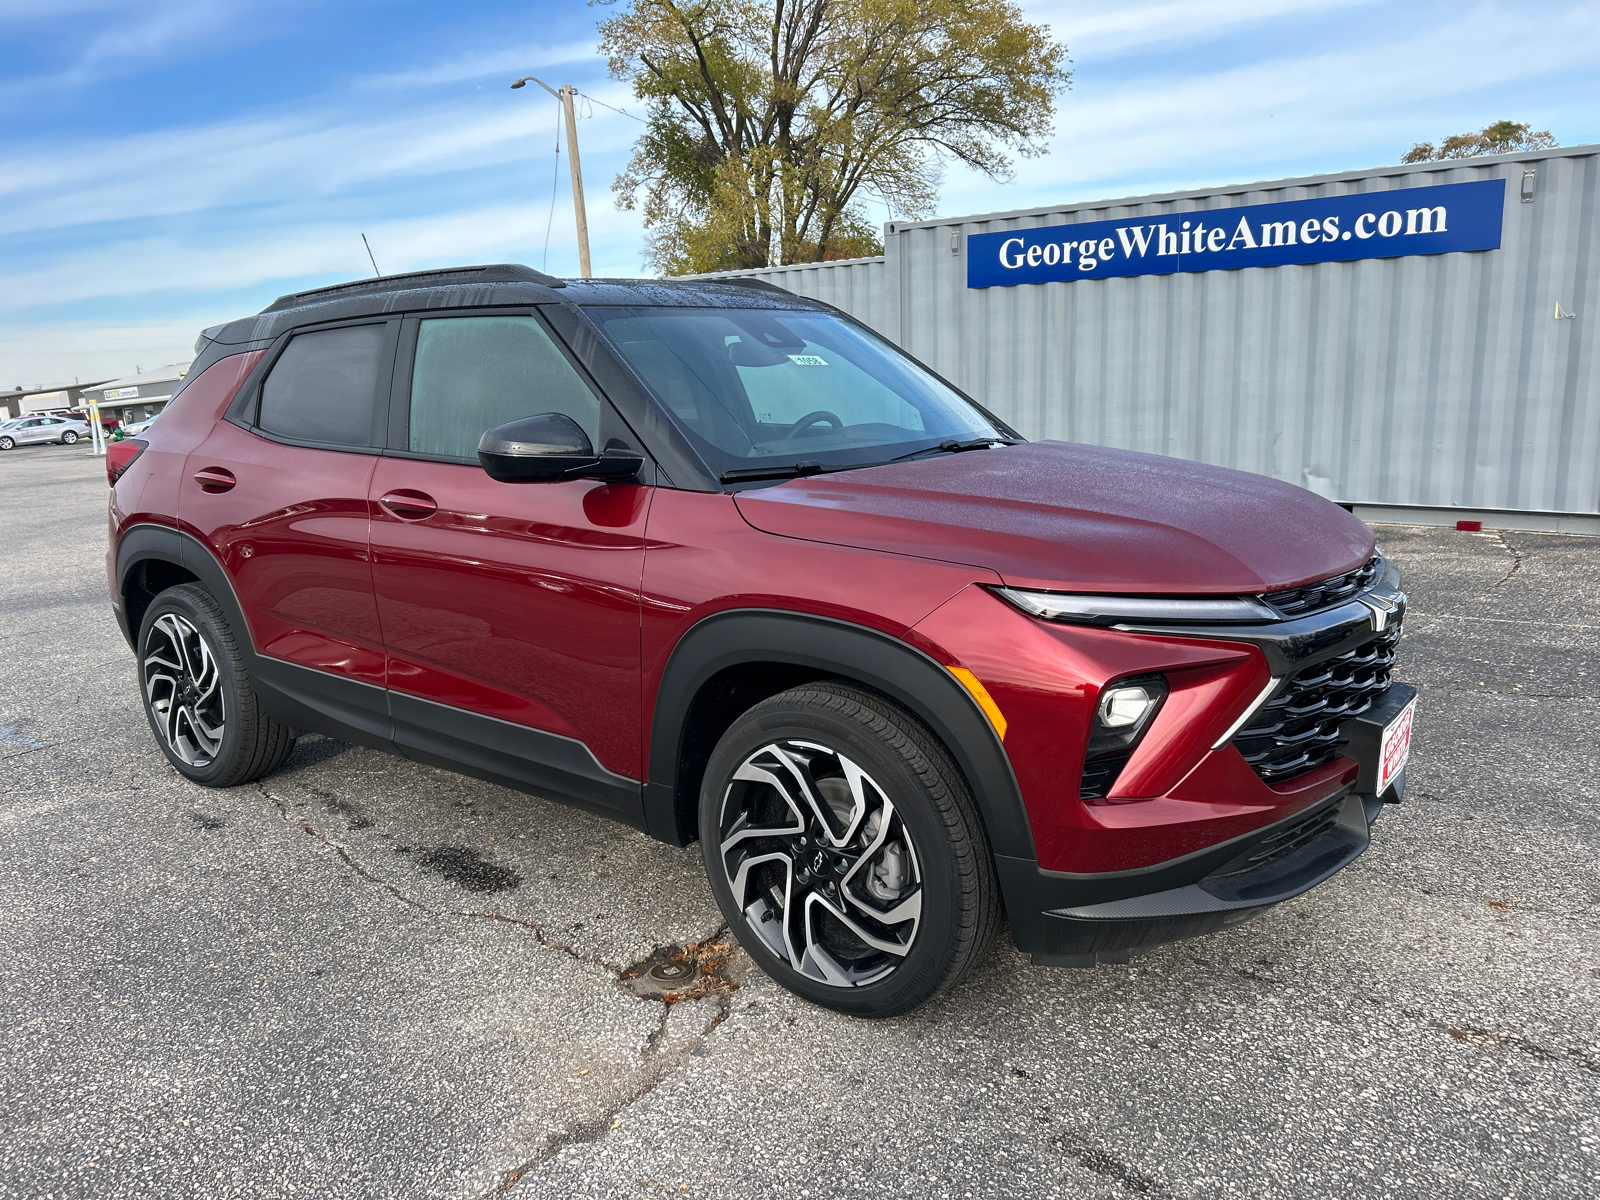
<point x="770" y="121"/>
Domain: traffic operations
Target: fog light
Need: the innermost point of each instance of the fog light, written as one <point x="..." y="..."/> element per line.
<point x="1124" y="706"/>
<point x="1126" y="709"/>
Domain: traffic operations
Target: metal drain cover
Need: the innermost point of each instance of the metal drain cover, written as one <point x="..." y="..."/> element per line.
<point x="672" y="972"/>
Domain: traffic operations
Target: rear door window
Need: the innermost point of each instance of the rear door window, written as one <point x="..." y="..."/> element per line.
<point x="324" y="387"/>
<point x="471" y="374"/>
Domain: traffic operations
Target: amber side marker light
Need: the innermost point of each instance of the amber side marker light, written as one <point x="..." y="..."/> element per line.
<point x="981" y="694"/>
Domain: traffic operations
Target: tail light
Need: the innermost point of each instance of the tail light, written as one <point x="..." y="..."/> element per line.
<point x="120" y="456"/>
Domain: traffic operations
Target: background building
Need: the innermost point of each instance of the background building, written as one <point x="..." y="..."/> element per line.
<point x="1412" y="372"/>
<point x="44" y="398"/>
<point x="138" y="397"/>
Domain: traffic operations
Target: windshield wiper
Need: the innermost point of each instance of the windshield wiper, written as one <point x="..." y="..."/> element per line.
<point x="775" y="471"/>
<point x="809" y="467"/>
<point x="953" y="446"/>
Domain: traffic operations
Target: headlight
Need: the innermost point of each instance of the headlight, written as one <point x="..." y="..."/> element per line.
<point x="1115" y="610"/>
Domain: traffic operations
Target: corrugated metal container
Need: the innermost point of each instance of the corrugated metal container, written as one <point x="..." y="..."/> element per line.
<point x="1442" y="380"/>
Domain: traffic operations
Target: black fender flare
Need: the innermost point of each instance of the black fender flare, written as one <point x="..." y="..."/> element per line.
<point x="841" y="650"/>
<point x="297" y="696"/>
<point x="165" y="544"/>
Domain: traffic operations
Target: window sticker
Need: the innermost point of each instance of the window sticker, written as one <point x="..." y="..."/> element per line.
<point x="808" y="360"/>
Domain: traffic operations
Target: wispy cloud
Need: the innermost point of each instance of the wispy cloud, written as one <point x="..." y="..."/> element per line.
<point x="91" y="349"/>
<point x="1352" y="107"/>
<point x="290" y="253"/>
<point x="128" y="39"/>
<point x="1106" y="27"/>
<point x="254" y="161"/>
<point x="512" y="61"/>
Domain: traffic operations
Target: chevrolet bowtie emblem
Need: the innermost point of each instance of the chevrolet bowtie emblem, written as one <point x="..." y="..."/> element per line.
<point x="1382" y="608"/>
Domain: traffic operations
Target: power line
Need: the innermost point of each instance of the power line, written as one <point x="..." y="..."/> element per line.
<point x="613" y="108"/>
<point x="555" y="182"/>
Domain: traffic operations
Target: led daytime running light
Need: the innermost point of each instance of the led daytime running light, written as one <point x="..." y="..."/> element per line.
<point x="1112" y="610"/>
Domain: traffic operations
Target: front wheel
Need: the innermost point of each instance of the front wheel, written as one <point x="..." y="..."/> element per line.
<point x="845" y="851"/>
<point x="197" y="693"/>
<point x="69" y="438"/>
<point x="7" y="443"/>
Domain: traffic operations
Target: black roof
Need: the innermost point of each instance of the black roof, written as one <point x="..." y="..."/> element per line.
<point x="494" y="284"/>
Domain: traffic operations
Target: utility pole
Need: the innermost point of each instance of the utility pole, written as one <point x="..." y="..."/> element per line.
<point x="575" y="168"/>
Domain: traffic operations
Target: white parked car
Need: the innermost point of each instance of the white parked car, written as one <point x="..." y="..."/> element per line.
<point x="25" y="430"/>
<point x="139" y="427"/>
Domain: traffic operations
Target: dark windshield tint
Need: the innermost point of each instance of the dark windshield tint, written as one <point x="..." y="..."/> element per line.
<point x="757" y="386"/>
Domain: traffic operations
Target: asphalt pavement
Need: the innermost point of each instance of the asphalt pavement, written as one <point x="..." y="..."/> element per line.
<point x="362" y="977"/>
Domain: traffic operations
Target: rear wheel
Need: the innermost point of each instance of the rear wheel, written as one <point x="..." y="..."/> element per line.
<point x="69" y="437"/>
<point x="197" y="693"/>
<point x="845" y="851"/>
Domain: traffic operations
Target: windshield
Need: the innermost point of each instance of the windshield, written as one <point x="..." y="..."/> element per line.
<point x="757" y="387"/>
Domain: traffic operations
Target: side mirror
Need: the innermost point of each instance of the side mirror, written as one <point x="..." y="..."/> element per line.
<point x="548" y="448"/>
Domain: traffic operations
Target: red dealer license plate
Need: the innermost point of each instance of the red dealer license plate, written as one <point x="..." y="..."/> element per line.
<point x="1395" y="747"/>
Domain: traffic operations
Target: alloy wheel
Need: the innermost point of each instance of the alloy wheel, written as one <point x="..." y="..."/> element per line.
<point x="820" y="863"/>
<point x="183" y="687"/>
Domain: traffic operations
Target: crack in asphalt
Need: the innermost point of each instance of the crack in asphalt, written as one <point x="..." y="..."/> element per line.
<point x="1516" y="558"/>
<point x="1470" y="1036"/>
<point x="1516" y="564"/>
<point x="593" y="1130"/>
<point x="660" y="1066"/>
<point x="343" y="852"/>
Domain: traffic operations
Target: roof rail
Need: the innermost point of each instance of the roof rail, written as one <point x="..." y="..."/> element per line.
<point x="745" y="281"/>
<point x="493" y="273"/>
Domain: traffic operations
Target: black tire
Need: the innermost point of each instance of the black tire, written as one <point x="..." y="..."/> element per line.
<point x="7" y="443"/>
<point x="190" y="691"/>
<point x="69" y="437"/>
<point x="926" y="844"/>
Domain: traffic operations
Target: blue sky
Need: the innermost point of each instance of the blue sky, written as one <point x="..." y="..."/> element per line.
<point x="172" y="163"/>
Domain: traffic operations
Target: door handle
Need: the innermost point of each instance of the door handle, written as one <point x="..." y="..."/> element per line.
<point x="409" y="505"/>
<point x="214" y="479"/>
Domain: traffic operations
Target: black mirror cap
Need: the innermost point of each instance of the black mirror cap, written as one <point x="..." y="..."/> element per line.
<point x="548" y="448"/>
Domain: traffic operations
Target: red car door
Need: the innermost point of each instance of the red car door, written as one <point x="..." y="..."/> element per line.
<point x="281" y="500"/>
<point x="510" y="612"/>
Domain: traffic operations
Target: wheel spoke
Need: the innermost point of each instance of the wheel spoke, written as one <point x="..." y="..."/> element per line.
<point x="741" y="881"/>
<point x="175" y="667"/>
<point x="872" y="939"/>
<point x="744" y="833"/>
<point x="800" y="776"/>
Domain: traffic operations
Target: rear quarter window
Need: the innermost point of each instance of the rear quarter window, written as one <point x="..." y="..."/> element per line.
<point x="324" y="387"/>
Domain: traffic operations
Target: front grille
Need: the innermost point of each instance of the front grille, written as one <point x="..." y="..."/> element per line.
<point x="1297" y="602"/>
<point x="1285" y="842"/>
<point x="1298" y="729"/>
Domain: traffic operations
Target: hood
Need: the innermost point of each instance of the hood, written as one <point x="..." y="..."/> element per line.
<point x="1076" y="518"/>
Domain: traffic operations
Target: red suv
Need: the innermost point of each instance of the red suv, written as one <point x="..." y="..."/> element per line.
<point x="722" y="564"/>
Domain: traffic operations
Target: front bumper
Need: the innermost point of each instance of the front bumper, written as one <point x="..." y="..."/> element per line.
<point x="1066" y="919"/>
<point x="1062" y="923"/>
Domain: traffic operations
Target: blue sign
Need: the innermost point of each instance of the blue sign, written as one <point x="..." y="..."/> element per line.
<point x="1424" y="220"/>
